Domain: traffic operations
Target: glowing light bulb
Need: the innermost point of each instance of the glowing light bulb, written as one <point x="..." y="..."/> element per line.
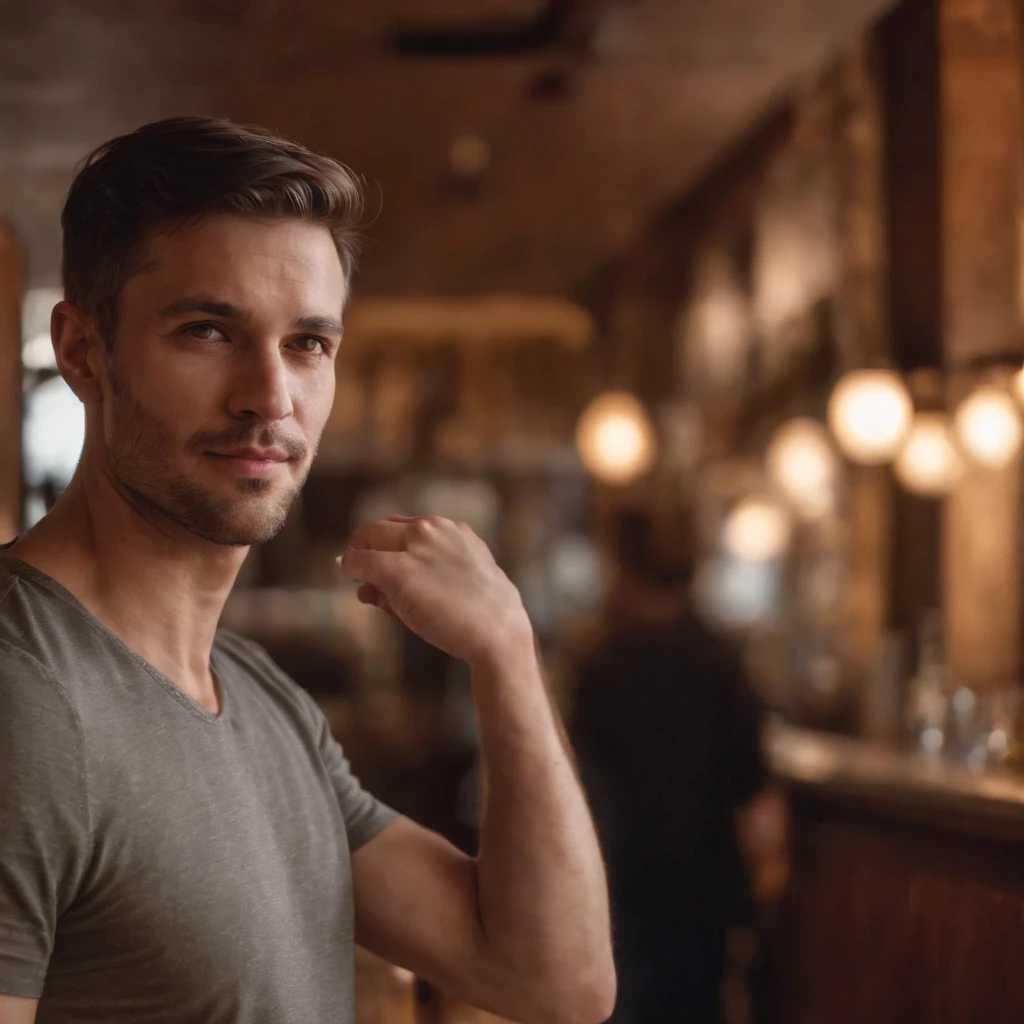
<point x="929" y="463"/>
<point x="989" y="427"/>
<point x="802" y="465"/>
<point x="870" y="413"/>
<point x="615" y="438"/>
<point x="757" y="530"/>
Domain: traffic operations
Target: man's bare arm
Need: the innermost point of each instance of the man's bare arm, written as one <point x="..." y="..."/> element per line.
<point x="522" y="929"/>
<point x="417" y="905"/>
<point x="16" y="1010"/>
<point x="542" y="884"/>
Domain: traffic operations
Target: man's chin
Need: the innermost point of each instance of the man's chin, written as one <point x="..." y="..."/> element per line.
<point x="244" y="522"/>
<point x="238" y="521"/>
<point x="234" y="534"/>
<point x="253" y="486"/>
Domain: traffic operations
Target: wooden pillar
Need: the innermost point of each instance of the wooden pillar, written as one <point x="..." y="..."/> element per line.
<point x="862" y="335"/>
<point x="11" y="285"/>
<point x="981" y="110"/>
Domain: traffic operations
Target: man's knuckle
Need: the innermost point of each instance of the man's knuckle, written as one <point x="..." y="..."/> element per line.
<point x="400" y="567"/>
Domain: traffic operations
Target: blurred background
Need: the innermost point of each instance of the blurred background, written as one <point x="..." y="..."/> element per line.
<point x="707" y="316"/>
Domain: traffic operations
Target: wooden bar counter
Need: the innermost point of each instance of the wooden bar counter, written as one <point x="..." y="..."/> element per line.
<point x="906" y="901"/>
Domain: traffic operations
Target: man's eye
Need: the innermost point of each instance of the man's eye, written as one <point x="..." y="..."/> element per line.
<point x="203" y="332"/>
<point x="310" y="343"/>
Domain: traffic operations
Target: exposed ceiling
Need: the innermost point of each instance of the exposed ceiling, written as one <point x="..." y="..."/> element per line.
<point x="592" y="114"/>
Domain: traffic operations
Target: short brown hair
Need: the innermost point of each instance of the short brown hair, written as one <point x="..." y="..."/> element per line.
<point x="658" y="551"/>
<point x="175" y="172"/>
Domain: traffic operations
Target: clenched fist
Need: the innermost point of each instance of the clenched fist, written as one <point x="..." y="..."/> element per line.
<point x="440" y="579"/>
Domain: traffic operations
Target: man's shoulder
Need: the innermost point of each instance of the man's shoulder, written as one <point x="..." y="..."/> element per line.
<point x="42" y="627"/>
<point x="32" y="698"/>
<point x="19" y="663"/>
<point x="12" y="611"/>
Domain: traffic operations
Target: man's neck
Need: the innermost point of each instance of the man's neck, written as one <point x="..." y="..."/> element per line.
<point x="158" y="587"/>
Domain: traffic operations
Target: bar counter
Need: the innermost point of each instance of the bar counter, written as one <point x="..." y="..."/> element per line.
<point x="906" y="899"/>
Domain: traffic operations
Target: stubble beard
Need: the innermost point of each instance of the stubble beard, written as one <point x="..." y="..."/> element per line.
<point x="141" y="450"/>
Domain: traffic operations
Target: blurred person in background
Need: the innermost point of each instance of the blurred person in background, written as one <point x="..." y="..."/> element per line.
<point x="667" y="732"/>
<point x="181" y="838"/>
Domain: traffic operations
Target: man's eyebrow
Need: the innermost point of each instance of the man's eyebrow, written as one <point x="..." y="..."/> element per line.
<point x="201" y="304"/>
<point x="320" y="324"/>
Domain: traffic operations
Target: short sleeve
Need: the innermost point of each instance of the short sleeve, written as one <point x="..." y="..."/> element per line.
<point x="45" y="833"/>
<point x="365" y="816"/>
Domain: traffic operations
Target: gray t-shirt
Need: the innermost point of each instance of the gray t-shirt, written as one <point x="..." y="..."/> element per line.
<point x="159" y="863"/>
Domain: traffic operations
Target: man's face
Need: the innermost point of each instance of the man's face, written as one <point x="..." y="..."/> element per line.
<point x="222" y="373"/>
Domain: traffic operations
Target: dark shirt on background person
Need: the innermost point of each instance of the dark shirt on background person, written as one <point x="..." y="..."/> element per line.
<point x="666" y="729"/>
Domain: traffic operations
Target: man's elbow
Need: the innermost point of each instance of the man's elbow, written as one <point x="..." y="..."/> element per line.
<point x="596" y="1004"/>
<point x="587" y="1002"/>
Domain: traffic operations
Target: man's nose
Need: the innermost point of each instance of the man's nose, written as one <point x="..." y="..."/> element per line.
<point x="262" y="388"/>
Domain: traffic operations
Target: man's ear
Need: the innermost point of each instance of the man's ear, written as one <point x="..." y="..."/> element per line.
<point x="79" y="349"/>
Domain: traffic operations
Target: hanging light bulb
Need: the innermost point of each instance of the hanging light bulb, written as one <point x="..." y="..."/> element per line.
<point x="615" y="438"/>
<point x="757" y="530"/>
<point x="929" y="463"/>
<point x="989" y="427"/>
<point x="869" y="413"/>
<point x="802" y="465"/>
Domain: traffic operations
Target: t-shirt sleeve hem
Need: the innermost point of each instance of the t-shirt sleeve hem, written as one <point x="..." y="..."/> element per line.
<point x="21" y="977"/>
<point x="359" y="835"/>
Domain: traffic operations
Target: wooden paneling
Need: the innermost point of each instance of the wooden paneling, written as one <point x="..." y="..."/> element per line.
<point x="895" y="923"/>
<point x="981" y="117"/>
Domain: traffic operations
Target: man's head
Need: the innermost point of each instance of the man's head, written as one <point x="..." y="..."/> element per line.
<point x="651" y="568"/>
<point x="206" y="268"/>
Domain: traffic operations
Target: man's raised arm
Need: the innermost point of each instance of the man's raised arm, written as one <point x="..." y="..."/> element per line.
<point x="523" y="929"/>
<point x="15" y="1010"/>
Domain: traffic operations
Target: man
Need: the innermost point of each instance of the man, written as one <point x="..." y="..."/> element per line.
<point x="180" y="837"/>
<point x="666" y="727"/>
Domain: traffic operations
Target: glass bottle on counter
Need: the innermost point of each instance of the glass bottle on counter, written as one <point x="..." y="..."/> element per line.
<point x="928" y="693"/>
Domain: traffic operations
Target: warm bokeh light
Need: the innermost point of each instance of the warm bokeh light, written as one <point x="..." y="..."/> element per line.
<point x="757" y="530"/>
<point x="929" y="463"/>
<point x="988" y="427"/>
<point x="1018" y="385"/>
<point x="870" y="413"/>
<point x="615" y="438"/>
<point x="802" y="465"/>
